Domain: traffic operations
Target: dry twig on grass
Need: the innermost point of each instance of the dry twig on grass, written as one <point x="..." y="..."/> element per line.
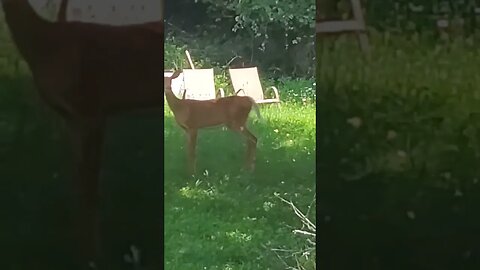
<point x="309" y="230"/>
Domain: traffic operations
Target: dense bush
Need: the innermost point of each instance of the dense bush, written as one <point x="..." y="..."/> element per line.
<point x="275" y="35"/>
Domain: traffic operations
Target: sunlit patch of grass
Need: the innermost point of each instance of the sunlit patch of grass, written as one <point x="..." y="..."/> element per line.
<point x="238" y="237"/>
<point x="198" y="193"/>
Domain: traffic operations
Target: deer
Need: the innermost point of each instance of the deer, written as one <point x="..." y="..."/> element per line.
<point x="86" y="73"/>
<point x="231" y="111"/>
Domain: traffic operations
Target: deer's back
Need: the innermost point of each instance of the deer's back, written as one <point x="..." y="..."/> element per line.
<point x="198" y="114"/>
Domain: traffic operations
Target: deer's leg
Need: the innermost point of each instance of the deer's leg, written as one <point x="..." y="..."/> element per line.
<point x="87" y="140"/>
<point x="191" y="150"/>
<point x="251" y="144"/>
<point x="251" y="148"/>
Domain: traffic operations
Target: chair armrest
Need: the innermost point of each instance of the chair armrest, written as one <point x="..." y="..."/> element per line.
<point x="222" y="93"/>
<point x="275" y="92"/>
<point x="240" y="90"/>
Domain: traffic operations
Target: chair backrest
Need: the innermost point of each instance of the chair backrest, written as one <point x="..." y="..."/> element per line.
<point x="199" y="84"/>
<point x="177" y="84"/>
<point x="248" y="80"/>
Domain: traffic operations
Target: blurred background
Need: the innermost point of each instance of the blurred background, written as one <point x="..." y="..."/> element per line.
<point x="398" y="135"/>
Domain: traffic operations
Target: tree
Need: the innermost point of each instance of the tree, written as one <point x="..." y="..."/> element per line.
<point x="277" y="28"/>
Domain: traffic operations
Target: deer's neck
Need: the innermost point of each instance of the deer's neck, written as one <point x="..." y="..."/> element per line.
<point x="173" y="102"/>
<point x="27" y="28"/>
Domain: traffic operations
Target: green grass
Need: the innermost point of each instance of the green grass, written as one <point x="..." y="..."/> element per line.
<point x="228" y="219"/>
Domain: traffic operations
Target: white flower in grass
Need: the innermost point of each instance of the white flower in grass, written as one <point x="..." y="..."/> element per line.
<point x="355" y="122"/>
<point x="391" y="134"/>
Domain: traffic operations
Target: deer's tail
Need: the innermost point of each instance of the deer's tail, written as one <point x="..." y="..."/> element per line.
<point x="256" y="108"/>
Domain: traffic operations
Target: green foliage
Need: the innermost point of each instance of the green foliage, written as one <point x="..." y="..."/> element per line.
<point x="419" y="15"/>
<point x="176" y="58"/>
<point x="300" y="91"/>
<point x="294" y="18"/>
<point x="275" y="35"/>
<point x="174" y="55"/>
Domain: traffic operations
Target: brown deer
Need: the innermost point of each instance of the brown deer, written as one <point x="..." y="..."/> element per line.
<point x="192" y="115"/>
<point x="87" y="72"/>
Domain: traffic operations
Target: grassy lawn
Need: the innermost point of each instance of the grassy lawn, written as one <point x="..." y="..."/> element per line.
<point x="228" y="219"/>
<point x="224" y="219"/>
